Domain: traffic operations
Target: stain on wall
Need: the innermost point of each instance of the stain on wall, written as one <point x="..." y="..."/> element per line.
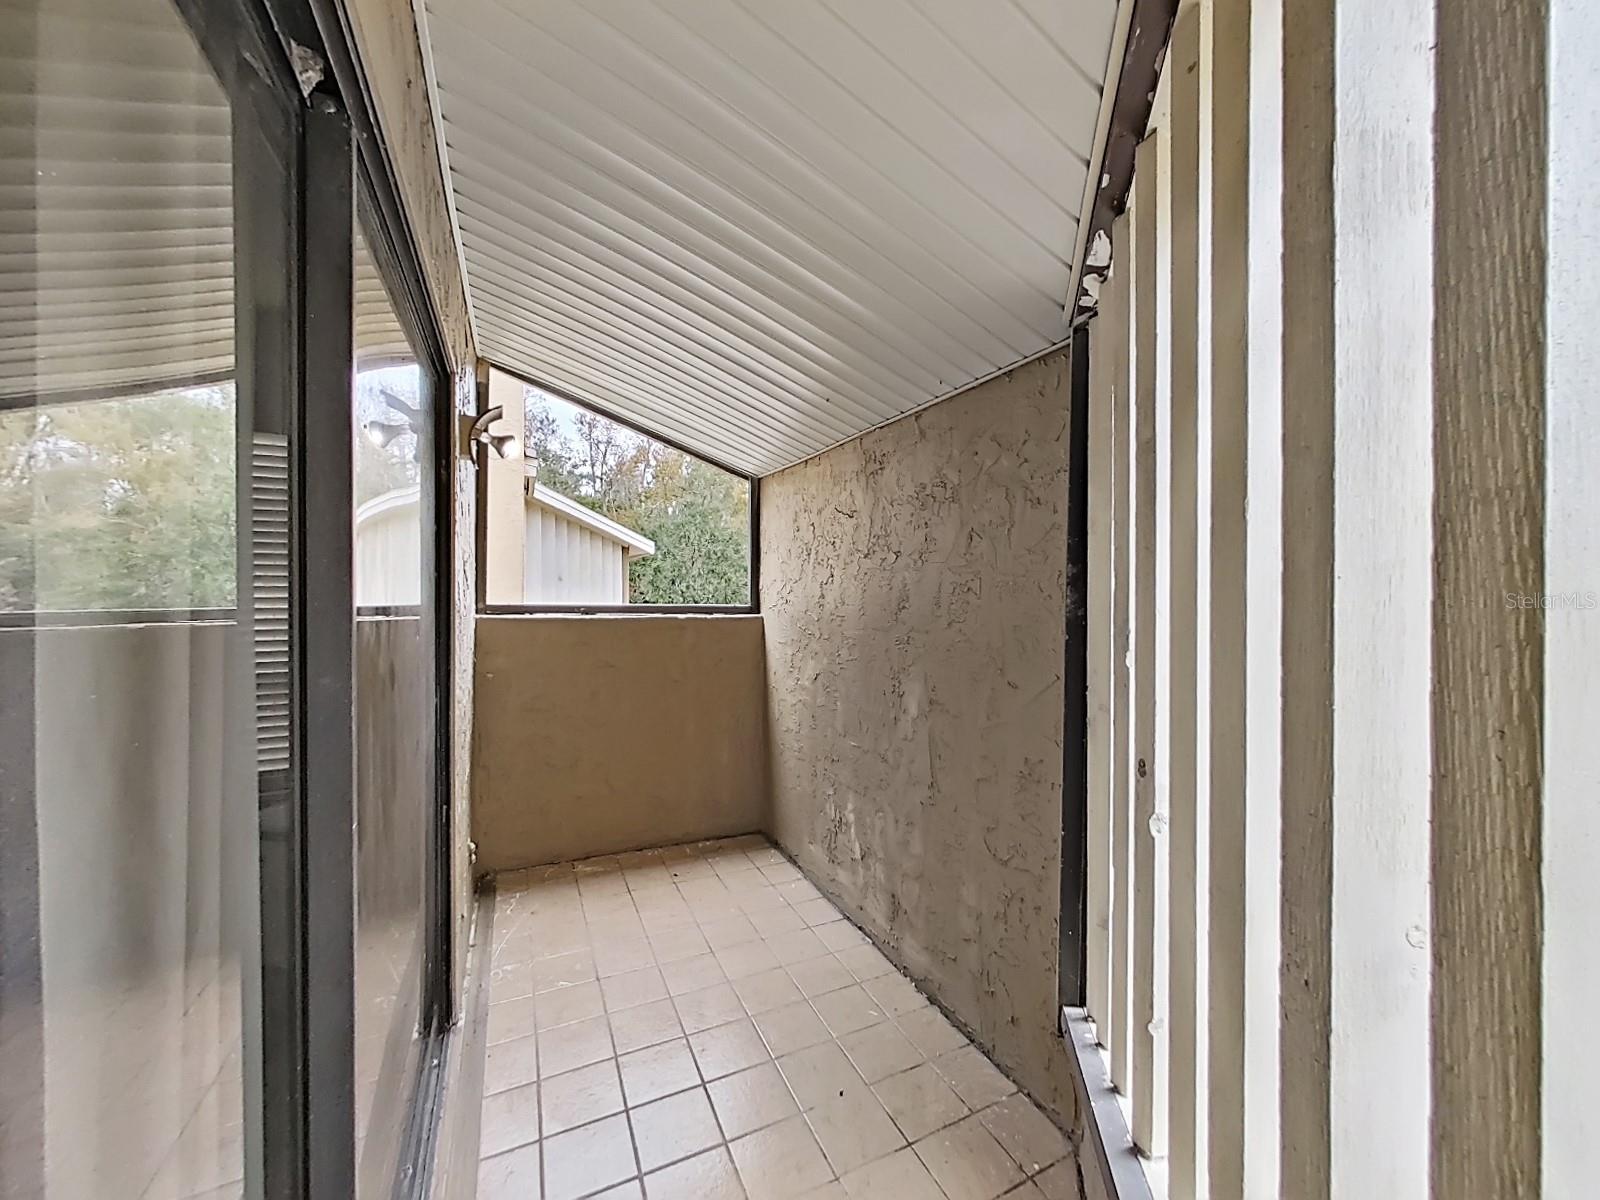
<point x="913" y="586"/>
<point x="601" y="734"/>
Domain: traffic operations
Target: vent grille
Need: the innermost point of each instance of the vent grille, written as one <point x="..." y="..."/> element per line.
<point x="269" y="595"/>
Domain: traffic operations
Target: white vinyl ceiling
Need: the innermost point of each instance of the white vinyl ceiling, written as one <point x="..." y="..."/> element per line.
<point x="761" y="227"/>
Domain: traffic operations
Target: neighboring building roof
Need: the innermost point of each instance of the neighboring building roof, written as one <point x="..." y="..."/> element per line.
<point x="403" y="497"/>
<point x="638" y="545"/>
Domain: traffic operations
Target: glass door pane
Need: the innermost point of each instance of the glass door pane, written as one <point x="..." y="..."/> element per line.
<point x="396" y="744"/>
<point x="128" y="844"/>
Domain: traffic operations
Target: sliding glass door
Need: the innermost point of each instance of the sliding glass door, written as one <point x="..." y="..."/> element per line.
<point x="128" y="842"/>
<point x="220" y="758"/>
<point x="397" y="669"/>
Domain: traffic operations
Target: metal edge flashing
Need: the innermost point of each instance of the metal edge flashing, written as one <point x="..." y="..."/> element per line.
<point x="453" y="1169"/>
<point x="1138" y="48"/>
<point x="1122" y="1171"/>
<point x="414" y="1173"/>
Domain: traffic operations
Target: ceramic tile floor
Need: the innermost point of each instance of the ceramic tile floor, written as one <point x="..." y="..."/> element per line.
<point x="698" y="1023"/>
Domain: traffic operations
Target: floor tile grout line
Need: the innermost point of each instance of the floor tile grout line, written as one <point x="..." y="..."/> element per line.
<point x="885" y="1017"/>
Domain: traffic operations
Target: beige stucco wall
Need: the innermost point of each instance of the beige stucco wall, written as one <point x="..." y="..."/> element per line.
<point x="600" y="734"/>
<point x="913" y="582"/>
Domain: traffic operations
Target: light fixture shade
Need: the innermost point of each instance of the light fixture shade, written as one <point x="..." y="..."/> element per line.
<point x="504" y="444"/>
<point x="382" y="433"/>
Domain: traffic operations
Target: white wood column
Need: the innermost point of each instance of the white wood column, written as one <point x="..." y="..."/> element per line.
<point x="1103" y="350"/>
<point x="1117" y="1038"/>
<point x="1186" y="1015"/>
<point x="1148" y="954"/>
<point x="1243" y="903"/>
<point x="1264" y="549"/>
<point x="1358" y="273"/>
<point x="1571" y="976"/>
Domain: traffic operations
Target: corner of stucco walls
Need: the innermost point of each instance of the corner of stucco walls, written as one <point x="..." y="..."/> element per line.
<point x="914" y="594"/>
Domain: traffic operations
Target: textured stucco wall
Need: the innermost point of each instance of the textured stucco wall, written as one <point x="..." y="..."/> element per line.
<point x="601" y="734"/>
<point x="913" y="582"/>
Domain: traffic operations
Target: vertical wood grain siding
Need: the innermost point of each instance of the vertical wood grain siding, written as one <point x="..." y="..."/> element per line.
<point x="1308" y="580"/>
<point x="1491" y="144"/>
<point x="1321" y="768"/>
<point x="1571" y="979"/>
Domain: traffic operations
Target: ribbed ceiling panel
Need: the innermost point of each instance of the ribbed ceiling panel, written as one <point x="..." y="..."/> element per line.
<point x="116" y="238"/>
<point x="380" y="340"/>
<point x="761" y="227"/>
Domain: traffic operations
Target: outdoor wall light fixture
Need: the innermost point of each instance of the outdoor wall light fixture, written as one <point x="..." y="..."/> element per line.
<point x="382" y="433"/>
<point x="503" y="444"/>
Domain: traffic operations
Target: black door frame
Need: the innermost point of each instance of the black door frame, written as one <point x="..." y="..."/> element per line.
<point x="292" y="184"/>
<point x="435" y="1010"/>
<point x="1075" y="686"/>
<point x="395" y="247"/>
<point x="305" y="145"/>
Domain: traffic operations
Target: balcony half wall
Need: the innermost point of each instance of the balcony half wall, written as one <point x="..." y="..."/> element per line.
<point x="598" y="734"/>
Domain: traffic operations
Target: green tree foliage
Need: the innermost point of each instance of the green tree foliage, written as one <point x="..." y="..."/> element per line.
<point x="117" y="504"/>
<point x="697" y="515"/>
<point x="130" y="503"/>
<point x="547" y="447"/>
